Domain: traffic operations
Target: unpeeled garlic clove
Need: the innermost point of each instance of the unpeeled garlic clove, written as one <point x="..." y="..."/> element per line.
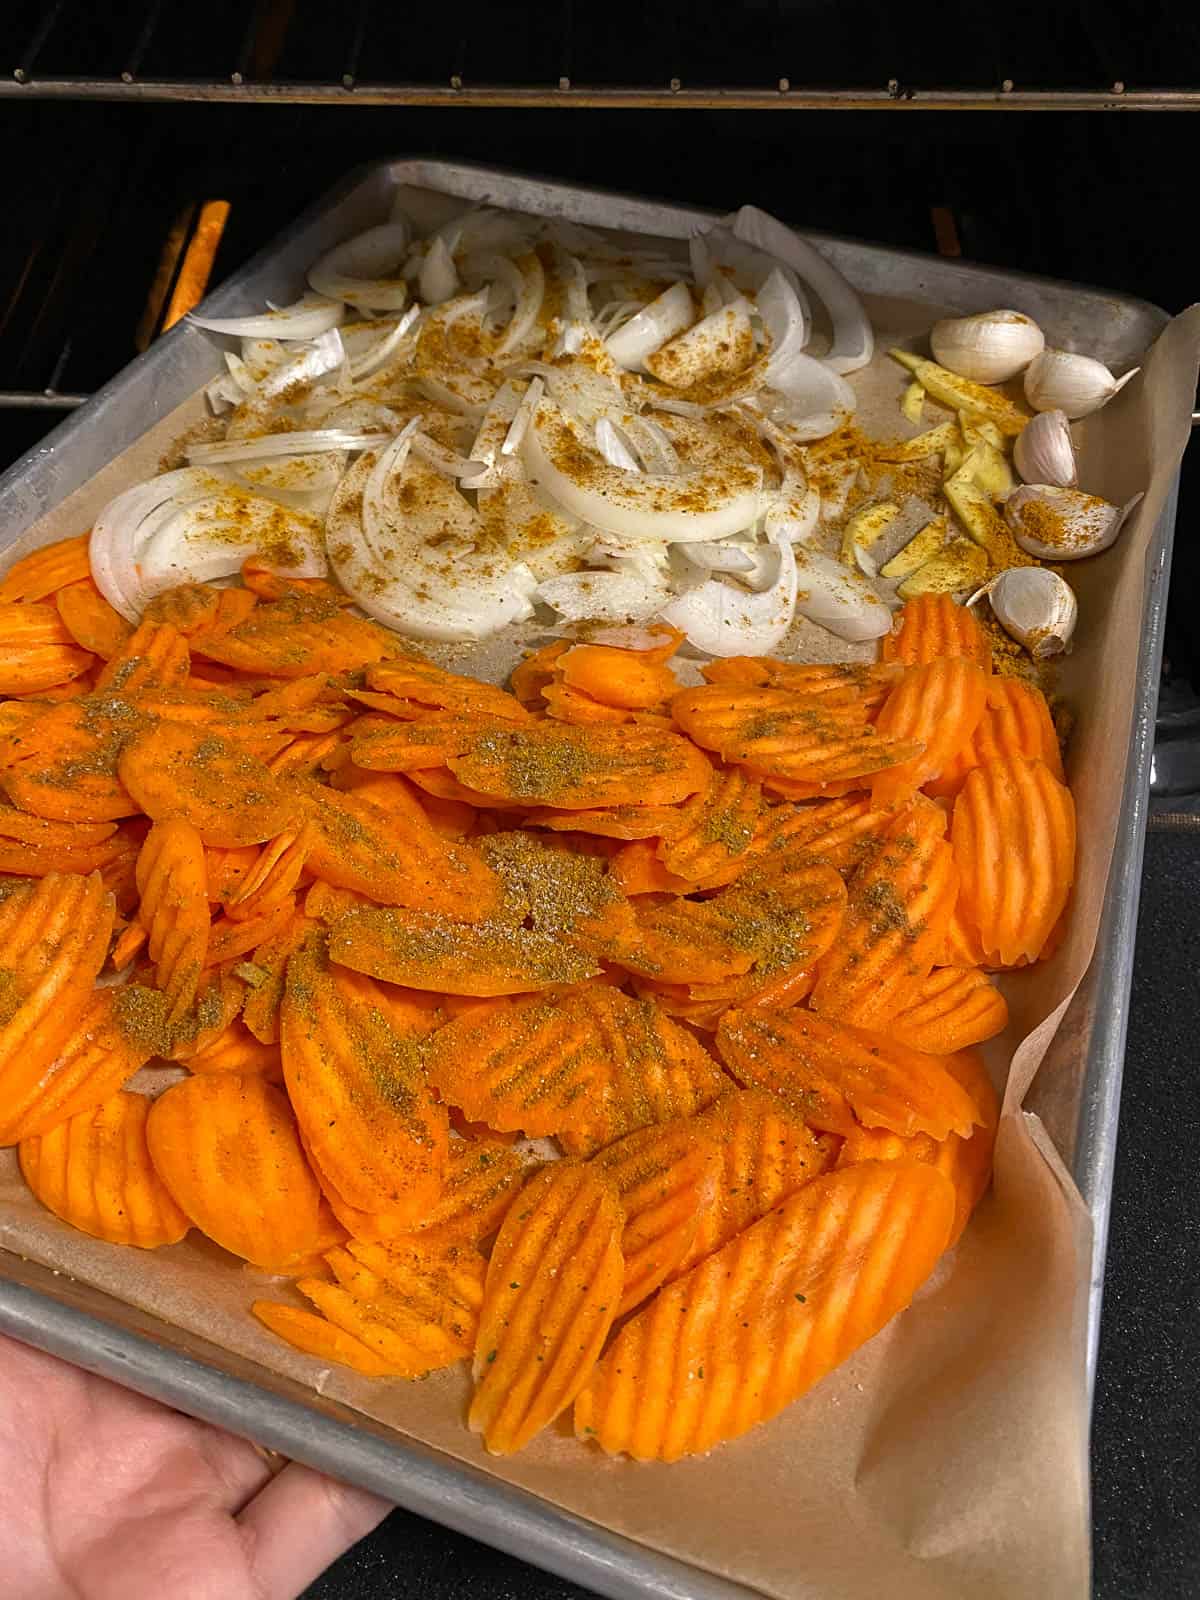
<point x="1059" y="380"/>
<point x="1060" y="524"/>
<point x="990" y="347"/>
<point x="1045" y="452"/>
<point x="1035" y="607"/>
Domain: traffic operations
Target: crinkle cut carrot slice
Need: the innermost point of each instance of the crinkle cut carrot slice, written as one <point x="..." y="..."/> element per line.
<point x="173" y="909"/>
<point x="867" y="683"/>
<point x="33" y="846"/>
<point x="195" y="608"/>
<point x="143" y="1014"/>
<point x="481" y="1182"/>
<point x="155" y="655"/>
<point x="36" y="651"/>
<point x="226" y="868"/>
<point x="226" y="1147"/>
<point x="44" y="571"/>
<point x="444" y="786"/>
<point x="938" y="705"/>
<point x="624" y="679"/>
<point x="359" y="1092"/>
<point x="228" y="940"/>
<point x="415" y="1311"/>
<point x="274" y="877"/>
<point x="237" y="1050"/>
<point x="54" y="935"/>
<point x="617" y="822"/>
<point x="552" y="1291"/>
<point x="954" y="1007"/>
<point x="294" y="637"/>
<point x="270" y="585"/>
<point x="409" y="679"/>
<point x="176" y="769"/>
<point x="841" y="832"/>
<point x="775" y="732"/>
<point x="316" y="1336"/>
<point x="715" y="830"/>
<point x="266" y="974"/>
<point x="967" y="1163"/>
<point x="901" y="901"/>
<point x="423" y="951"/>
<point x="798" y="790"/>
<point x="1013" y="835"/>
<point x="934" y="626"/>
<point x="1017" y="722"/>
<point x="90" y="620"/>
<point x="94" y="1172"/>
<point x="755" y="1326"/>
<point x="358" y="845"/>
<point x="666" y="1176"/>
<point x="430" y="741"/>
<point x="704" y="1004"/>
<point x="765" y="1153"/>
<point x="680" y="941"/>
<point x="832" y="1074"/>
<point x="94" y="1061"/>
<point x="961" y="946"/>
<point x="577" y="768"/>
<point x="531" y="676"/>
<point x="304" y="754"/>
<point x="636" y="869"/>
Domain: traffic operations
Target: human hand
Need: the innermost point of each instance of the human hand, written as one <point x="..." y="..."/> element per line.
<point x="109" y="1496"/>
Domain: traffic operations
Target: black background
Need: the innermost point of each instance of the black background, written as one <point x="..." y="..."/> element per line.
<point x="1106" y="199"/>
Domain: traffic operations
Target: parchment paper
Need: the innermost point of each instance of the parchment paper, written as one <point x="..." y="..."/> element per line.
<point x="948" y="1457"/>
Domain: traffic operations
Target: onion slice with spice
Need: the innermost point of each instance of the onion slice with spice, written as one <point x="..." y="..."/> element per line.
<point x="307" y="318"/>
<point x="365" y="271"/>
<point x="650" y="328"/>
<point x="837" y="599"/>
<point x="706" y="503"/>
<point x="727" y="620"/>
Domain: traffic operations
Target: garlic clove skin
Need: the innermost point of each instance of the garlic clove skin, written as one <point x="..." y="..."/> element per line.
<point x="988" y="348"/>
<point x="1035" y="607"/>
<point x="1060" y="524"/>
<point x="1059" y="380"/>
<point x="1045" y="452"/>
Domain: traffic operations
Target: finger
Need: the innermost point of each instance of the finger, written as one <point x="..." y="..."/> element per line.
<point x="299" y="1523"/>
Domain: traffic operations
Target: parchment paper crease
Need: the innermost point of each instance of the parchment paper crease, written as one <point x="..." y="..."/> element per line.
<point x="948" y="1458"/>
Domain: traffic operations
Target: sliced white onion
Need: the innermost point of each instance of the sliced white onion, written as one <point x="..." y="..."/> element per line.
<point x="584" y="394"/>
<point x="363" y="271"/>
<point x="607" y="596"/>
<point x="652" y="327"/>
<point x="853" y="341"/>
<point x="446" y="461"/>
<point x="704" y="350"/>
<point x="706" y="503"/>
<point x="794" y="512"/>
<point x="718" y="555"/>
<point x="382" y="351"/>
<point x="438" y="278"/>
<point x="525" y="283"/>
<point x="307" y="318"/>
<point x="806" y="399"/>
<point x="725" y="620"/>
<point x="488" y="228"/>
<point x="267" y="446"/>
<point x="652" y="443"/>
<point x="211" y="538"/>
<point x="324" y="357"/>
<point x="121" y="529"/>
<point x="785" y="320"/>
<point x="829" y="594"/>
<point x="522" y="417"/>
<point x="613" y="447"/>
<point x="628" y="636"/>
<point x="414" y="561"/>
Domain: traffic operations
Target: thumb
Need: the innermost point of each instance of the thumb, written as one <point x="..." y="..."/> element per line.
<point x="299" y="1523"/>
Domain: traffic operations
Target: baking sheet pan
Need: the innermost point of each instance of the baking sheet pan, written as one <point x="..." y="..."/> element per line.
<point x="1079" y="1108"/>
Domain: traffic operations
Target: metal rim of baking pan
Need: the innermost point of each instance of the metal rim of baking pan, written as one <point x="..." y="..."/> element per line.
<point x="105" y="1336"/>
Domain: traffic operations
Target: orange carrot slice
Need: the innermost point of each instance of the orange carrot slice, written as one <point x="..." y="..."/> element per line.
<point x="94" y="1061"/>
<point x="422" y="685"/>
<point x="266" y="974"/>
<point x="316" y="1336"/>
<point x="416" y="1311"/>
<point x="173" y="909"/>
<point x="226" y="870"/>
<point x="176" y="769"/>
<point x="939" y="705"/>
<point x="901" y="900"/>
<point x="481" y="1180"/>
<point x="832" y="1074"/>
<point x="274" y="877"/>
<point x="431" y="741"/>
<point x="1013" y="836"/>
<point x="841" y="832"/>
<point x="869" y="685"/>
<point x="226" y="1147"/>
<point x="778" y="732"/>
<point x="229" y="939"/>
<point x="954" y="1007"/>
<point x="966" y="1163"/>
<point x="714" y="830"/>
<point x="756" y="1325"/>
<point x="617" y="822"/>
<point x="552" y="1291"/>
<point x="198" y="607"/>
<point x="94" y="1172"/>
<point x="154" y="656"/>
<point x="357" y="845"/>
<point x="62" y="763"/>
<point x="237" y="1050"/>
<point x="576" y="768"/>
<point x="359" y="1094"/>
<point x="90" y="620"/>
<point x="36" y="651"/>
<point x="44" y="571"/>
<point x="296" y="636"/>
<point x="934" y="626"/>
<point x="1017" y="722"/>
<point x="666" y="1176"/>
<point x="531" y="677"/>
<point x="54" y="936"/>
<point x="637" y="869"/>
<point x="614" y="677"/>
<point x="765" y="1153"/>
